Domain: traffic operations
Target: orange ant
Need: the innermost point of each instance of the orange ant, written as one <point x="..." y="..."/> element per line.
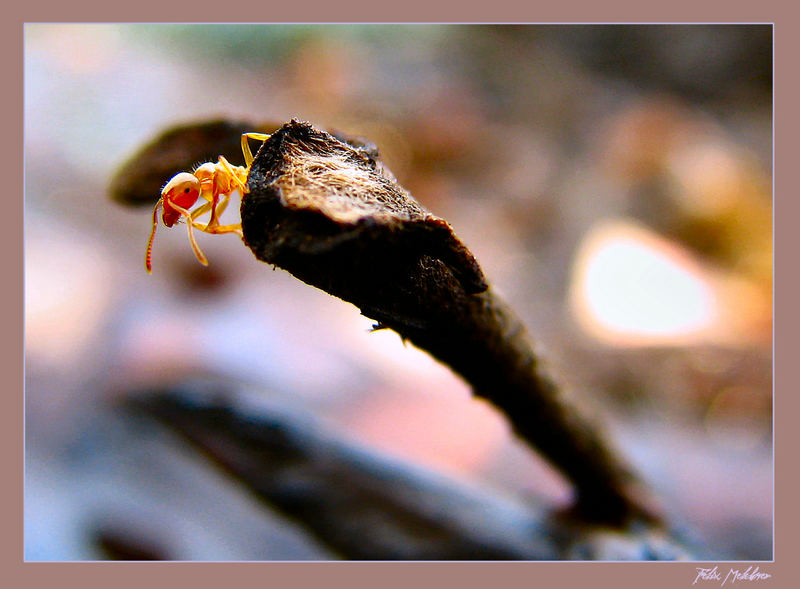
<point x="214" y="182"/>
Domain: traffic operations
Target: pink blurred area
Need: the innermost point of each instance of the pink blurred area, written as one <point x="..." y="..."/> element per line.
<point x="629" y="225"/>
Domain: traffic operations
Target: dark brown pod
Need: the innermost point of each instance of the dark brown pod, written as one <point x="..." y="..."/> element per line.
<point x="139" y="180"/>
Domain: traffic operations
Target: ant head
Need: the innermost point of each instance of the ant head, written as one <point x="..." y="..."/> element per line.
<point x="182" y="182"/>
<point x="182" y="191"/>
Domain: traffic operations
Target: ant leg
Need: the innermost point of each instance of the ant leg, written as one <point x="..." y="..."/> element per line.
<point x="215" y="213"/>
<point x="215" y="229"/>
<point x="199" y="211"/>
<point x="225" y="179"/>
<point x="235" y="228"/>
<point x="235" y="174"/>
<point x="248" y="155"/>
<point x="215" y="204"/>
<point x="222" y="229"/>
<point x="218" y="229"/>
<point x="222" y="204"/>
<point x="189" y="224"/>
<point x="203" y="209"/>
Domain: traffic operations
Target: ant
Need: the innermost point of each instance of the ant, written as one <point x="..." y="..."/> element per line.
<point x="213" y="182"/>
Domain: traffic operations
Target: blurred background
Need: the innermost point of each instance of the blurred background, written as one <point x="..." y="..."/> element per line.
<point x="614" y="182"/>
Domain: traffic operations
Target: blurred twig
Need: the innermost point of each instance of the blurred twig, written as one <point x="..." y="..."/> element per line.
<point x="362" y="505"/>
<point x="366" y="506"/>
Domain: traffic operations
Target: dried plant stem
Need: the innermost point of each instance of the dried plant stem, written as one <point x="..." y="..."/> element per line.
<point x="328" y="211"/>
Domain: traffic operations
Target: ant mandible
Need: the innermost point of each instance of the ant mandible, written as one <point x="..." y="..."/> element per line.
<point x="213" y="182"/>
